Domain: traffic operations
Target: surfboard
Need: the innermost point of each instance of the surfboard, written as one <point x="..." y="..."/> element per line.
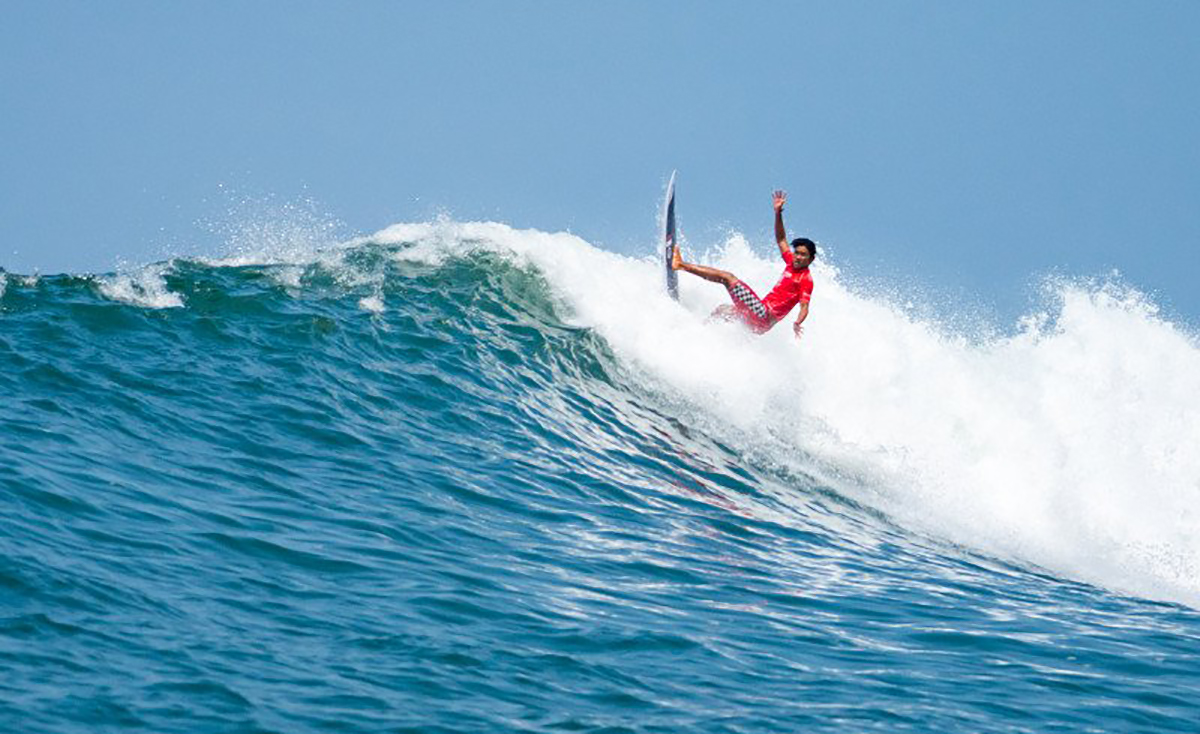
<point x="669" y="239"/>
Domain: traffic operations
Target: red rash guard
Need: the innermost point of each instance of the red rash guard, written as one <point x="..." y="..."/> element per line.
<point x="792" y="288"/>
<point x="761" y="314"/>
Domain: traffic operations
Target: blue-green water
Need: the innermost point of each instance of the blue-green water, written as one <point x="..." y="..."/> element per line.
<point x="458" y="480"/>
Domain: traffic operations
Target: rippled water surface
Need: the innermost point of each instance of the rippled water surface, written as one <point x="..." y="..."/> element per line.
<point x="417" y="485"/>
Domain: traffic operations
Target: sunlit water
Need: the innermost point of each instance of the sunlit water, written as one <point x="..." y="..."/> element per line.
<point x="464" y="478"/>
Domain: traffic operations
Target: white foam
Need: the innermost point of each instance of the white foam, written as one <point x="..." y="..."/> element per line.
<point x="144" y="286"/>
<point x="372" y="304"/>
<point x="288" y="276"/>
<point x="1071" y="445"/>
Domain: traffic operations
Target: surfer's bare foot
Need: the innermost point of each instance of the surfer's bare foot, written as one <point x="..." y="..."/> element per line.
<point x="676" y="258"/>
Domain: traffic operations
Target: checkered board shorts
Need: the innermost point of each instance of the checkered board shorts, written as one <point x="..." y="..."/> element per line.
<point x="749" y="306"/>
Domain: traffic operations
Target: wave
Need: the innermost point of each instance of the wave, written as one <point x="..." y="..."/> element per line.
<point x="1063" y="442"/>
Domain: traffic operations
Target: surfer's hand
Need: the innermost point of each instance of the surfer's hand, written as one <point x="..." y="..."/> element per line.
<point x="798" y="329"/>
<point x="778" y="199"/>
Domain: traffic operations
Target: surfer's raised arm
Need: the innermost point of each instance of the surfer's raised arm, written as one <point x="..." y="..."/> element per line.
<point x="778" y="199"/>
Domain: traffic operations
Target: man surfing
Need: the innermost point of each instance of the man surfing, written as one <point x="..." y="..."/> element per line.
<point x="794" y="286"/>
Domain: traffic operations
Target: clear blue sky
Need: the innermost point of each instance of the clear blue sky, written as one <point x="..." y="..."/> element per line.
<point x="969" y="145"/>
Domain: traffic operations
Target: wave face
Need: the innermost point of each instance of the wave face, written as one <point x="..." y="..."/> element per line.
<point x="464" y="478"/>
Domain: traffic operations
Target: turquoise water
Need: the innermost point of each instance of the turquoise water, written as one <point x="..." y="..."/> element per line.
<point x="456" y="479"/>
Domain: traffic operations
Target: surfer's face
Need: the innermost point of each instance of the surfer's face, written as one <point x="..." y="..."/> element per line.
<point x="801" y="257"/>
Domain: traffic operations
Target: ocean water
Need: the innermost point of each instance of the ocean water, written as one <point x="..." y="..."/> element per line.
<point x="456" y="477"/>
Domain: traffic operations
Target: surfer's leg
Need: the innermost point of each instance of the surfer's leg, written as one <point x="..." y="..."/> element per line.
<point x="724" y="277"/>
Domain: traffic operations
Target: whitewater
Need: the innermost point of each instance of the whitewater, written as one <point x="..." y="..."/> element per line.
<point x="458" y="477"/>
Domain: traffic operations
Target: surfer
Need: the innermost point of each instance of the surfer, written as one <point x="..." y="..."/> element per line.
<point x="794" y="286"/>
